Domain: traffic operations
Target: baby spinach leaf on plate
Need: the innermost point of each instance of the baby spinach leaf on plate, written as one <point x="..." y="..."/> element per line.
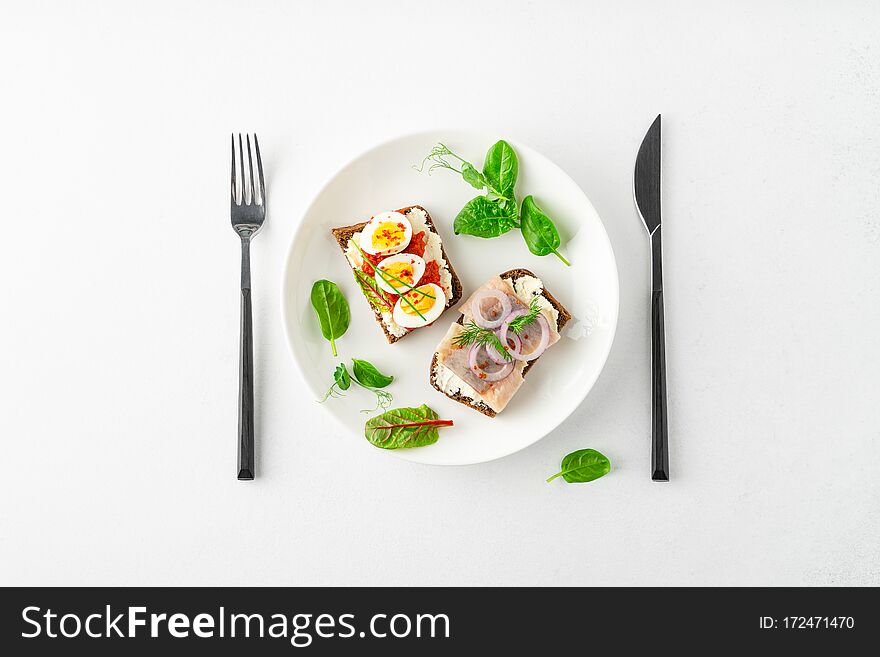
<point x="501" y="169"/>
<point x="484" y="218"/>
<point x="496" y="212"/>
<point x="367" y="374"/>
<point x="402" y="428"/>
<point x="538" y="230"/>
<point x="583" y="465"/>
<point x="332" y="310"/>
<point x="508" y="206"/>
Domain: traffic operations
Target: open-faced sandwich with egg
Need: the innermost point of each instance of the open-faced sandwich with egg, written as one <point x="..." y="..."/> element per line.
<point x="401" y="266"/>
<point x="504" y="328"/>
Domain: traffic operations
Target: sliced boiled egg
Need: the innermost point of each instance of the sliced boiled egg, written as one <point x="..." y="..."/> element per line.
<point x="405" y="267"/>
<point x="430" y="307"/>
<point x="386" y="233"/>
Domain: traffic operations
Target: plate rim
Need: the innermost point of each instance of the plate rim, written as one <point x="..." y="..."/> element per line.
<point x="413" y="135"/>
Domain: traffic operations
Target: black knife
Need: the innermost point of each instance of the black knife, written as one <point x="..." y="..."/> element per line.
<point x="646" y="189"/>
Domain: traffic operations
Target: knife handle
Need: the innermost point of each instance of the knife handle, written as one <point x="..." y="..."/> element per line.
<point x="246" y="372"/>
<point x="659" y="433"/>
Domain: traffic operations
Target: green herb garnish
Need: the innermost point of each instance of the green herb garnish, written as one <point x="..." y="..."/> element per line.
<point x="500" y="169"/>
<point x="405" y="427"/>
<point x="539" y="231"/>
<point x="385" y="276"/>
<point x="367" y="377"/>
<point x="474" y="334"/>
<point x="367" y="374"/>
<point x="518" y="324"/>
<point x="332" y="310"/>
<point x="410" y="303"/>
<point x="499" y="173"/>
<point x="582" y="466"/>
<point x="342" y="381"/>
<point x="482" y="217"/>
<point x="375" y="294"/>
<point x="496" y="212"/>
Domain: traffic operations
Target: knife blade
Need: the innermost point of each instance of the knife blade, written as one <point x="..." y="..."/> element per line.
<point x="646" y="179"/>
<point x="646" y="191"/>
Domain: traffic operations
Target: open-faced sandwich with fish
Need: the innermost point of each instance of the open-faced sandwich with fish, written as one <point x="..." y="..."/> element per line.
<point x="402" y="269"/>
<point x="504" y="327"/>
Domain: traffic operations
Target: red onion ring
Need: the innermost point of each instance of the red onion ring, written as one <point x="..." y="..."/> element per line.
<point x="502" y="373"/>
<point x="542" y="345"/>
<point x="477" y="312"/>
<point x="498" y="358"/>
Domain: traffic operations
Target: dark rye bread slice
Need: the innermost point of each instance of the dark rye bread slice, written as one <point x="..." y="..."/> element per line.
<point x="345" y="233"/>
<point x="564" y="317"/>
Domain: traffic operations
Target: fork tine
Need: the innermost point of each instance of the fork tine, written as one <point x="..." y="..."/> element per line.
<point x="234" y="195"/>
<point x="260" y="169"/>
<point x="242" y="172"/>
<point x="251" y="167"/>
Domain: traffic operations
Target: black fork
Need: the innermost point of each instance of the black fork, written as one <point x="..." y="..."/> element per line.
<point x="248" y="212"/>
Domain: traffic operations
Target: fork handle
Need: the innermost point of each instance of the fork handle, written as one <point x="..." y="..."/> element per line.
<point x="246" y="371"/>
<point x="659" y="433"/>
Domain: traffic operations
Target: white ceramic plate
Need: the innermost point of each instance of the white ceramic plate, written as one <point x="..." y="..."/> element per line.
<point x="384" y="179"/>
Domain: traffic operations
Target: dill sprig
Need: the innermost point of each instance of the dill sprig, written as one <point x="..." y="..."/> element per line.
<point x="518" y="324"/>
<point x="473" y="334"/>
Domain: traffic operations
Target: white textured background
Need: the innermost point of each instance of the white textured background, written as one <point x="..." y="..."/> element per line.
<point x="119" y="331"/>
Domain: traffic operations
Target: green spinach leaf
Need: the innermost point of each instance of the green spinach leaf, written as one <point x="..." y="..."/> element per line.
<point x="483" y="218"/>
<point x="367" y="375"/>
<point x="342" y="377"/>
<point x="583" y="465"/>
<point x="538" y="230"/>
<point x="497" y="212"/>
<point x="501" y="169"/>
<point x="508" y="206"/>
<point x="332" y="310"/>
<point x="402" y="428"/>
